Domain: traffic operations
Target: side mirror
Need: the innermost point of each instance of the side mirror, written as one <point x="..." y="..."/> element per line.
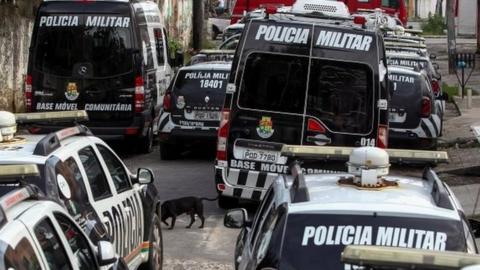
<point x="433" y="56"/>
<point x="178" y="60"/>
<point x="444" y="96"/>
<point x="475" y="225"/>
<point x="235" y="218"/>
<point x="144" y="176"/>
<point x="106" y="253"/>
<point x="435" y="66"/>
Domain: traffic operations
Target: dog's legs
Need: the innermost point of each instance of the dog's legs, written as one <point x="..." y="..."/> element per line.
<point x="200" y="214"/>
<point x="202" y="218"/>
<point x="164" y="220"/>
<point x="173" y="222"/>
<point x="192" y="219"/>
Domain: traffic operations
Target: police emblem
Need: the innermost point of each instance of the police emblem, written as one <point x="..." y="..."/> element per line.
<point x="264" y="129"/>
<point x="72" y="92"/>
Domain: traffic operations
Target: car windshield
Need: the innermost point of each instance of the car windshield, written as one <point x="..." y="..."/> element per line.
<point x="404" y="84"/>
<point x="191" y="81"/>
<point x="319" y="239"/>
<point x="101" y="44"/>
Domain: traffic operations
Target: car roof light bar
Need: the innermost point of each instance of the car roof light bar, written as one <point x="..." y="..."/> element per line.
<point x="405" y="45"/>
<point x="65" y="116"/>
<point x="18" y="170"/>
<point x="340" y="153"/>
<point x="298" y="191"/>
<point x="380" y="257"/>
<point x="51" y="142"/>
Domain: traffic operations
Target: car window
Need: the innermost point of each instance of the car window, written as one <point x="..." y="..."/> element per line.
<point x="265" y="232"/>
<point x="259" y="216"/>
<point x="77" y="242"/>
<point x="96" y="177"/>
<point x="116" y="169"/>
<point x="51" y="246"/>
<point x="159" y="45"/>
<point x="273" y="82"/>
<point x="21" y="257"/>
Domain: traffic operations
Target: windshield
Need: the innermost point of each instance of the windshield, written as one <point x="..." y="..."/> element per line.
<point x="317" y="239"/>
<point x="85" y="45"/>
<point x="191" y="81"/>
<point x="404" y="84"/>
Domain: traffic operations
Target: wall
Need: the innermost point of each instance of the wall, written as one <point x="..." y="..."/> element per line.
<point x="466" y="22"/>
<point x="15" y="29"/>
<point x="178" y="16"/>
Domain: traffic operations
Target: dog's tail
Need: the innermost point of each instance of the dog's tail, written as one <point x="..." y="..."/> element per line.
<point x="209" y="199"/>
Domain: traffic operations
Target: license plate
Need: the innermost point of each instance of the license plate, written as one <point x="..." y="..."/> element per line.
<point x="261" y="155"/>
<point x="206" y="115"/>
<point x="395" y="118"/>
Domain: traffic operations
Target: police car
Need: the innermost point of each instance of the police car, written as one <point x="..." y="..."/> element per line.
<point x="84" y="175"/>
<point x="305" y="221"/>
<point x="414" y="118"/>
<point x="300" y="77"/>
<point x="36" y="233"/>
<point x="192" y="105"/>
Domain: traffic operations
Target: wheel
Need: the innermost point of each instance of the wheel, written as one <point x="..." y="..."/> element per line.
<point x="146" y="143"/>
<point x="227" y="202"/>
<point x="167" y="151"/>
<point x="155" y="251"/>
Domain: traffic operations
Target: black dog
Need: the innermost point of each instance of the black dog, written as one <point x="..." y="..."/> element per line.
<point x="189" y="205"/>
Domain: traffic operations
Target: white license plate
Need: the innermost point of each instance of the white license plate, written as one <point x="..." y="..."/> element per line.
<point x="260" y="155"/>
<point x="395" y="118"/>
<point x="206" y="115"/>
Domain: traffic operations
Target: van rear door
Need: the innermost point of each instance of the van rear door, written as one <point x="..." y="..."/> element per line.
<point x="83" y="58"/>
<point x="406" y="93"/>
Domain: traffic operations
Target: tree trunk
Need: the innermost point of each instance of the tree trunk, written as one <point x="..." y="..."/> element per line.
<point x="439" y="8"/>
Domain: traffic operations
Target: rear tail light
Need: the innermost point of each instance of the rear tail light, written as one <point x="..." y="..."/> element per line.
<point x="435" y="87"/>
<point x="167" y="102"/>
<point x="223" y="135"/>
<point x="382" y="139"/>
<point x="28" y="93"/>
<point x="139" y="94"/>
<point x="221" y="187"/>
<point x="315" y="126"/>
<point x="359" y="20"/>
<point x="426" y="110"/>
<point x="270" y="10"/>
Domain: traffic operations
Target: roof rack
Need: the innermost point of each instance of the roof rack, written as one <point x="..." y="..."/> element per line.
<point x="298" y="191"/>
<point x="340" y="153"/>
<point x="16" y="196"/>
<point x="51" y="142"/>
<point x="405" y="45"/>
<point x="73" y="116"/>
<point x="379" y="257"/>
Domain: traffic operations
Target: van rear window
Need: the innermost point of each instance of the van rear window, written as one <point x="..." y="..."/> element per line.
<point x="191" y="81"/>
<point x="340" y="94"/>
<point x="66" y="44"/>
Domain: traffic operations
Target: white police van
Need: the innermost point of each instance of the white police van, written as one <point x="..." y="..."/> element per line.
<point x="305" y="221"/>
<point x="84" y="175"/>
<point x="110" y="58"/>
<point x="36" y="233"/>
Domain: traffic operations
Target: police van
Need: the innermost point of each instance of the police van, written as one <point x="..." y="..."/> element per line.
<point x="84" y="175"/>
<point x="110" y="58"/>
<point x="36" y="233"/>
<point x="192" y="106"/>
<point x="305" y="221"/>
<point x="298" y="78"/>
<point x="414" y="118"/>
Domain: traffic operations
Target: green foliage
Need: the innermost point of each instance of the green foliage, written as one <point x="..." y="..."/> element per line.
<point x="434" y="25"/>
<point x="450" y="90"/>
<point x="174" y="46"/>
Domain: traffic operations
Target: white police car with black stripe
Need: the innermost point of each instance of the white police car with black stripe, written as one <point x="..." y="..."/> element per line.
<point x="414" y="120"/>
<point x="305" y="221"/>
<point x="84" y="175"/>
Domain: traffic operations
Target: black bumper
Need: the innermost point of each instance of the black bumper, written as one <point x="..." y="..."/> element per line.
<point x="179" y="134"/>
<point x="409" y="140"/>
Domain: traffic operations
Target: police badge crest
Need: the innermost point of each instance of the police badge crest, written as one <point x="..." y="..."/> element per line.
<point x="264" y="129"/>
<point x="72" y="92"/>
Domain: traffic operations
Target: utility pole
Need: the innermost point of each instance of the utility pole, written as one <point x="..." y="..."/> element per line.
<point x="197" y="24"/>
<point x="451" y="35"/>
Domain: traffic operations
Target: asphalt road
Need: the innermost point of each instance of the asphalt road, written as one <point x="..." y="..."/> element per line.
<point x="191" y="175"/>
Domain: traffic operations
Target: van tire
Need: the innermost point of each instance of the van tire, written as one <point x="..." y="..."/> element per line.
<point x="227" y="202"/>
<point x="167" y="151"/>
<point x="155" y="251"/>
<point x="146" y="143"/>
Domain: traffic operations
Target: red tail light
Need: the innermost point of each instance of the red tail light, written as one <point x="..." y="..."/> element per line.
<point x="139" y="94"/>
<point x="167" y="102"/>
<point x="382" y="137"/>
<point x="223" y="135"/>
<point x="435" y="87"/>
<point x="426" y="107"/>
<point x="271" y="10"/>
<point x="315" y="126"/>
<point x="28" y="93"/>
<point x="359" y="20"/>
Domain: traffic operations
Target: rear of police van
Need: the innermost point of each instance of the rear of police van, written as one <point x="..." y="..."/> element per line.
<point x="84" y="55"/>
<point x="300" y="84"/>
